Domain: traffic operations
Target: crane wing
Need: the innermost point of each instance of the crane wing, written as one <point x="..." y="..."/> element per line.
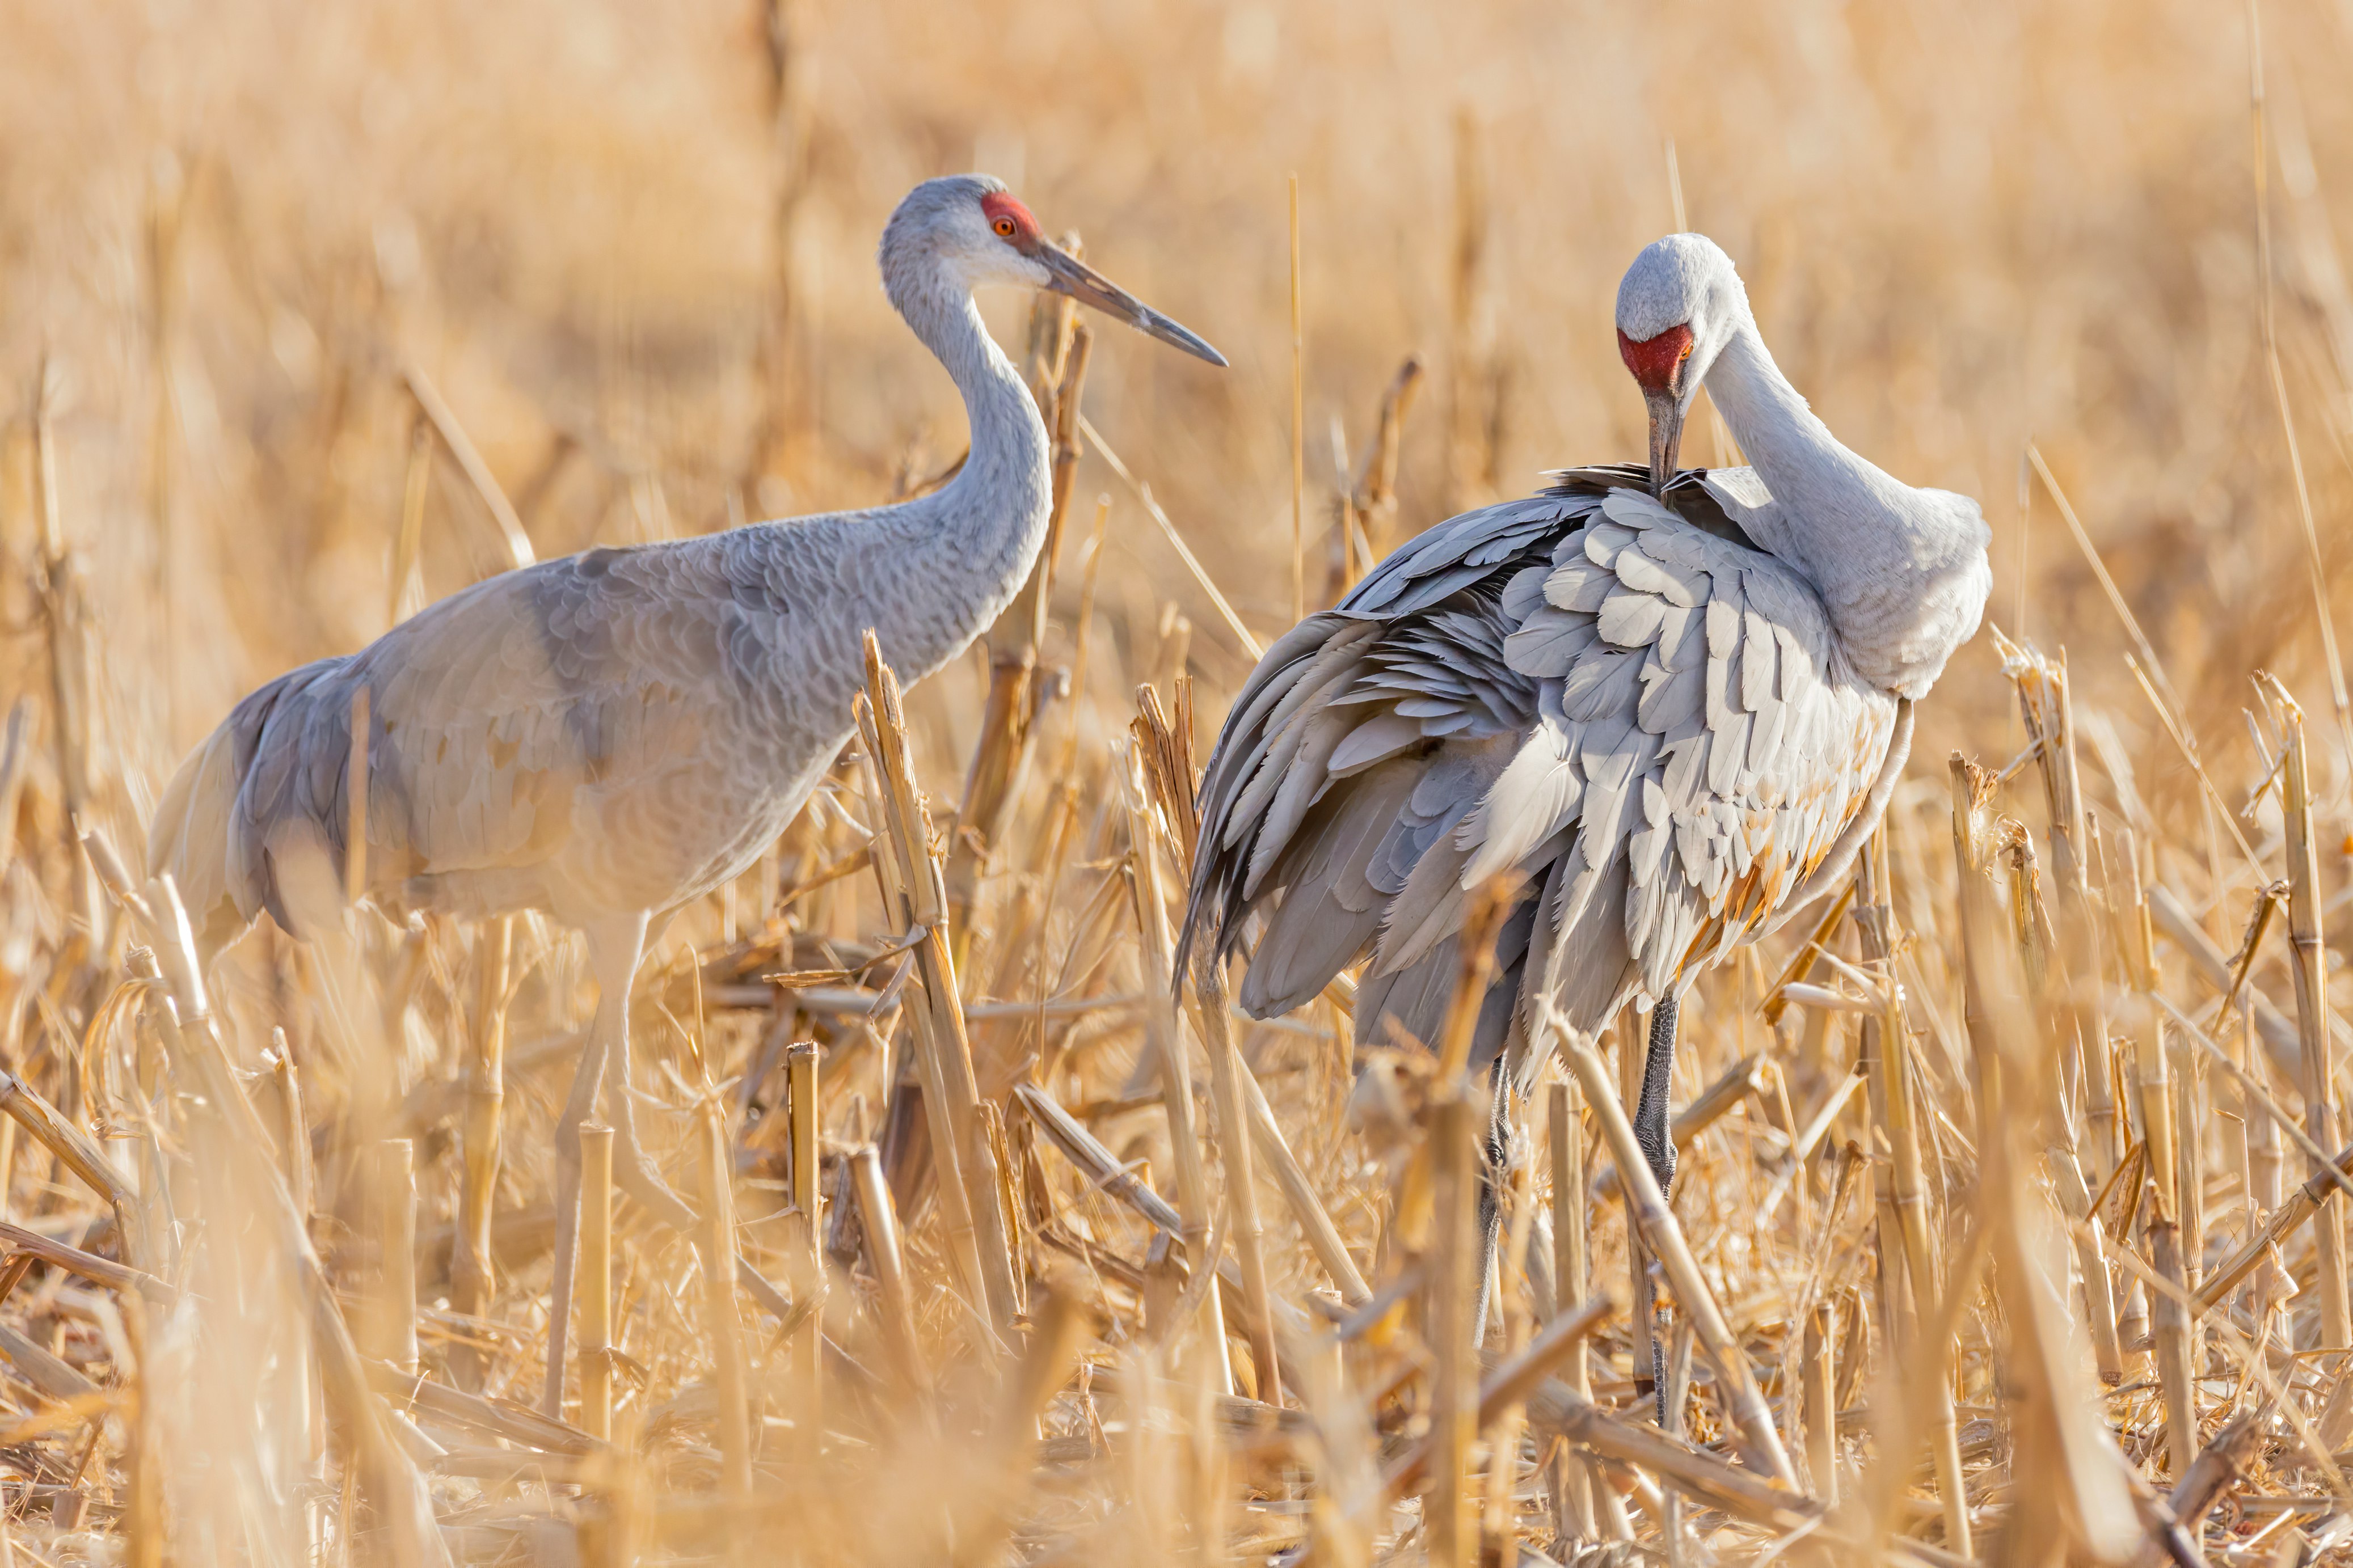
<point x="607" y="682"/>
<point x="1648" y="719"/>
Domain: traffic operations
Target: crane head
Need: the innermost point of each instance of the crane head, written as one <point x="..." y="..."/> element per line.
<point x="966" y="230"/>
<point x="1660" y="367"/>
<point x="1677" y="307"/>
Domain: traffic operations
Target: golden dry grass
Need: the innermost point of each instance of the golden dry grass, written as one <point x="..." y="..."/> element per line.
<point x="632" y="247"/>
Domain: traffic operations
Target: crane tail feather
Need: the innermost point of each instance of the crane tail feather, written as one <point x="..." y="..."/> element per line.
<point x="188" y="839"/>
<point x="252" y="819"/>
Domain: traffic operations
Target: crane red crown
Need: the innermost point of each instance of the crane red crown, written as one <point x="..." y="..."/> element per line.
<point x="1003" y="203"/>
<point x="1653" y="361"/>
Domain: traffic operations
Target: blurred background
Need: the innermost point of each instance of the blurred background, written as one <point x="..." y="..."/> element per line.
<point x="306" y="297"/>
<point x="632" y="247"/>
<point x="274" y="271"/>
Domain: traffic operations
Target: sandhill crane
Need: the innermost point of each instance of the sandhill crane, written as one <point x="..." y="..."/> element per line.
<point x="1676" y="711"/>
<point x="612" y="735"/>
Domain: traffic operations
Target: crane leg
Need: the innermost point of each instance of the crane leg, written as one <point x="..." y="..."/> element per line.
<point x="614" y="949"/>
<point x="1651" y="1129"/>
<point x="1491" y="1203"/>
<point x="633" y="1168"/>
<point x="1656" y="1137"/>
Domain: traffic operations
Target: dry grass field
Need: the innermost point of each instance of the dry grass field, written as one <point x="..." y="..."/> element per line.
<point x="2001" y="1190"/>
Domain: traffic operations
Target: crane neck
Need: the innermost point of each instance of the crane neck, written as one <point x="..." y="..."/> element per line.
<point x="1806" y="468"/>
<point x="961" y="554"/>
<point x="1902" y="571"/>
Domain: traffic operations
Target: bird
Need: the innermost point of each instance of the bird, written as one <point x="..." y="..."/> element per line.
<point x="612" y="735"/>
<point x="1672" y="703"/>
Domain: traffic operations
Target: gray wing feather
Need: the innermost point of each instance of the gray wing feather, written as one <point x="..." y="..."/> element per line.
<point x="1413" y="997"/>
<point x="1331" y="909"/>
<point x="623" y="682"/>
<point x="1550" y="642"/>
<point x="1648" y="716"/>
<point x="1376" y="740"/>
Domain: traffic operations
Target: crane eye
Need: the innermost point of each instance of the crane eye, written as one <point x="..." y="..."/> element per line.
<point x="1006" y="227"/>
<point x="1687" y="349"/>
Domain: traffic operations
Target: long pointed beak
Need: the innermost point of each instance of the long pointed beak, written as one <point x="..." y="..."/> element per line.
<point x="1666" y="434"/>
<point x="1071" y="275"/>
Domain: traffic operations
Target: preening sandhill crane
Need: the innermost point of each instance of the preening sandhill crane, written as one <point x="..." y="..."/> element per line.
<point x="613" y="735"/>
<point x="1676" y="711"/>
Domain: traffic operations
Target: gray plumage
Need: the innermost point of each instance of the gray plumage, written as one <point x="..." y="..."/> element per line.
<point x="612" y="735"/>
<point x="628" y="728"/>
<point x="1674" y="715"/>
<point x="623" y="729"/>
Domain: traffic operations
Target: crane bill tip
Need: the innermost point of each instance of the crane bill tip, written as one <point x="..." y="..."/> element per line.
<point x="1153" y="324"/>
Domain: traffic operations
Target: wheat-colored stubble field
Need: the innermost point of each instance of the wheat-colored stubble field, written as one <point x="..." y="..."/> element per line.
<point x="626" y="251"/>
